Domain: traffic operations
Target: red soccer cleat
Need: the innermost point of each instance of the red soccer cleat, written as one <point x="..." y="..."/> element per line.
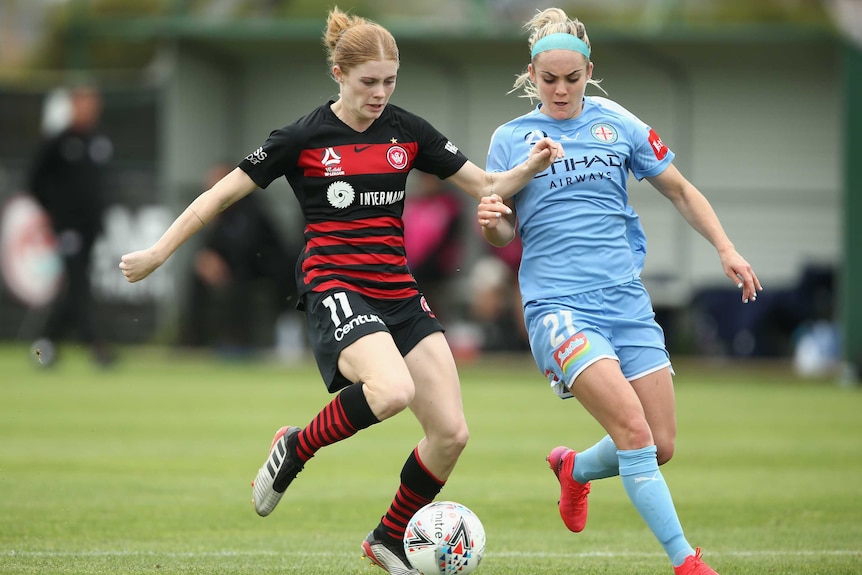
<point x="573" y="495"/>
<point x="694" y="565"/>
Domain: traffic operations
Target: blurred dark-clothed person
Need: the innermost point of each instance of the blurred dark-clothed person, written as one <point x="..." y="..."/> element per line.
<point x="67" y="178"/>
<point x="244" y="265"/>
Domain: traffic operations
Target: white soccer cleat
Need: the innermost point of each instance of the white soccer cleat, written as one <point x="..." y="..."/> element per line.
<point x="389" y="557"/>
<point x="277" y="472"/>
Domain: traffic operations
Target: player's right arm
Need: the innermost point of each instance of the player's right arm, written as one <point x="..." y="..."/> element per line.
<point x="234" y="186"/>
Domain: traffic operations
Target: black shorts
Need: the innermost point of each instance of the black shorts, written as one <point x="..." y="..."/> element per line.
<point x="337" y="318"/>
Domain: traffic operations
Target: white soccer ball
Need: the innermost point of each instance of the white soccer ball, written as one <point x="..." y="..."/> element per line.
<point x="444" y="538"/>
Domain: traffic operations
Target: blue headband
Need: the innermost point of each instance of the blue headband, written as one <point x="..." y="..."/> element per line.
<point x="560" y="41"/>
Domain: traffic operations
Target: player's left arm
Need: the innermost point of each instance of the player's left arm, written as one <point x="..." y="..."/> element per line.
<point x="698" y="212"/>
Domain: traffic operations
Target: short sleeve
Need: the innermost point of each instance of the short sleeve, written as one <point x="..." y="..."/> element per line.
<point x="438" y="155"/>
<point x="274" y="158"/>
<point x="650" y="155"/>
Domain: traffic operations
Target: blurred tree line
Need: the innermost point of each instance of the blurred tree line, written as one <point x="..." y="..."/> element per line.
<point x="65" y="25"/>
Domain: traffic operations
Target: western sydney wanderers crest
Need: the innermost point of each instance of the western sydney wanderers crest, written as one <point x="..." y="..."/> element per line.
<point x="397" y="157"/>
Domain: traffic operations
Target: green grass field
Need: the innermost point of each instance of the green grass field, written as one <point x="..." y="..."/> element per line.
<point x="146" y="468"/>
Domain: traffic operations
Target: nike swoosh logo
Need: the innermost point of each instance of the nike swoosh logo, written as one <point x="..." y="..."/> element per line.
<point x="358" y="149"/>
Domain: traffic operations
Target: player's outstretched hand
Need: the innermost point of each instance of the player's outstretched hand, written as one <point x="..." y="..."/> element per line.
<point x="544" y="153"/>
<point x="740" y="271"/>
<point x="490" y="210"/>
<point x="138" y="265"/>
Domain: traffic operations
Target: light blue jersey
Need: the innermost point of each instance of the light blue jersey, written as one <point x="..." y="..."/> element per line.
<point x="578" y="231"/>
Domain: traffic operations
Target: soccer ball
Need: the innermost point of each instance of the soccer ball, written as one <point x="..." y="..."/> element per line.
<point x="444" y="538"/>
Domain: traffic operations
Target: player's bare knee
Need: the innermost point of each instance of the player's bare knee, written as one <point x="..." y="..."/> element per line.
<point x="389" y="398"/>
<point x="633" y="435"/>
<point x="450" y="441"/>
<point x="665" y="438"/>
<point x="664" y="450"/>
<point x="458" y="439"/>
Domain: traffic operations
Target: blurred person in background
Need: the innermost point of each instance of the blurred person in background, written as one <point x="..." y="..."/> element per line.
<point x="433" y="237"/>
<point x="510" y="313"/>
<point x="493" y="289"/>
<point x="67" y="178"/>
<point x="591" y="323"/>
<point x="377" y="343"/>
<point x="493" y="319"/>
<point x="243" y="255"/>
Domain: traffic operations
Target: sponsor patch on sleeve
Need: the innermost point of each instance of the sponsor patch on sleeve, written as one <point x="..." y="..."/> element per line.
<point x="658" y="147"/>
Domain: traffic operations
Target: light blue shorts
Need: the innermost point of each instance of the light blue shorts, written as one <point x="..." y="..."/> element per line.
<point x="570" y="333"/>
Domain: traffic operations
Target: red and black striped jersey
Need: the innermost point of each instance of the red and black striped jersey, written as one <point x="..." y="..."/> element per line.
<point x="350" y="186"/>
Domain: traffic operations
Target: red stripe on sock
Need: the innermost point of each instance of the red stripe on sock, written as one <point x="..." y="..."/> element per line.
<point x="405" y="504"/>
<point x="328" y="427"/>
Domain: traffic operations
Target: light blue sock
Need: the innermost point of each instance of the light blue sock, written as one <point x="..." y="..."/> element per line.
<point x="648" y="491"/>
<point x="597" y="462"/>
